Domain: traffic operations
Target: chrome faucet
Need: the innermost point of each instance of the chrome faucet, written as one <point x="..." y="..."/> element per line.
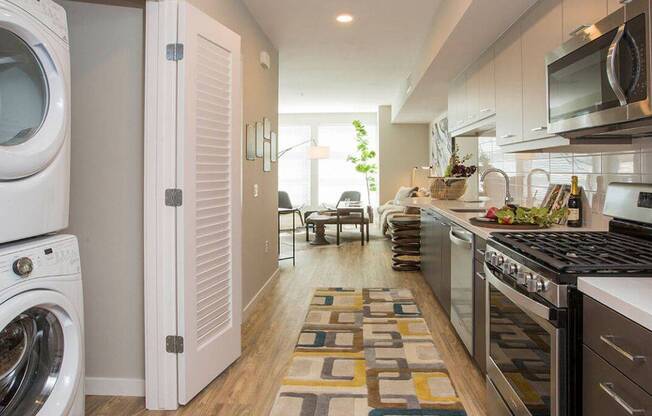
<point x="530" y="197"/>
<point x="508" y="195"/>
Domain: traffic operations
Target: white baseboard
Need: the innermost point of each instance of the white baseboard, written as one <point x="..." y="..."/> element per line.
<point x="250" y="306"/>
<point x="102" y="386"/>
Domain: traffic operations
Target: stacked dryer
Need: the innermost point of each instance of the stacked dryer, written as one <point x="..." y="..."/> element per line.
<point x="41" y="316"/>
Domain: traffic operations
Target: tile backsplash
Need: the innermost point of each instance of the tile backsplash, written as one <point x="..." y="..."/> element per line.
<point x="531" y="173"/>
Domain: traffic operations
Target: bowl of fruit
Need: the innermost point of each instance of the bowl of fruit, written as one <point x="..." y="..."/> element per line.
<point x="513" y="216"/>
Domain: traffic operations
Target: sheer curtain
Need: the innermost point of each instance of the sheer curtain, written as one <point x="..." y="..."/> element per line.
<point x="336" y="174"/>
<point x="294" y="166"/>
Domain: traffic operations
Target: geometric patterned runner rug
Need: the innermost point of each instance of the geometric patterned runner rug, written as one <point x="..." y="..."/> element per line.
<point x="366" y="352"/>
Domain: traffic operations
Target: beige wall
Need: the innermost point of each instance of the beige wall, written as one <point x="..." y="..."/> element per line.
<point x="260" y="100"/>
<point x="106" y="207"/>
<point x="107" y="57"/>
<point x="401" y="147"/>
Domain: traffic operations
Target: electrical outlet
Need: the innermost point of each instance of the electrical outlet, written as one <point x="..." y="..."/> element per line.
<point x="266" y="246"/>
<point x="255" y="190"/>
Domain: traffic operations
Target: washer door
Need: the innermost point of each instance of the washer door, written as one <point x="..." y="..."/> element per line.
<point x="33" y="103"/>
<point x="40" y="354"/>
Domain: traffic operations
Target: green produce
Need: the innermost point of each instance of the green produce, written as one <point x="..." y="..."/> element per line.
<point x="537" y="216"/>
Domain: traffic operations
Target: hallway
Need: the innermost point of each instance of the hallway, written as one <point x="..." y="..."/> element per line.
<point x="249" y="387"/>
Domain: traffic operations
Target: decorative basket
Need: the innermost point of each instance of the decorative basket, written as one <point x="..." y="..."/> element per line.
<point x="447" y="187"/>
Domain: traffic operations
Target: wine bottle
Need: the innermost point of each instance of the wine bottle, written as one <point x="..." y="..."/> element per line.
<point x="574" y="205"/>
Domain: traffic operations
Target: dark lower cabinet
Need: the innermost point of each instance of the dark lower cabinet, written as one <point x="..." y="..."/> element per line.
<point x="606" y="391"/>
<point x="615" y="363"/>
<point x="435" y="256"/>
<point x="479" y="318"/>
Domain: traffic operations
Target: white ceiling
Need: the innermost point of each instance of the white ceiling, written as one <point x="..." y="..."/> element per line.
<point x="326" y="66"/>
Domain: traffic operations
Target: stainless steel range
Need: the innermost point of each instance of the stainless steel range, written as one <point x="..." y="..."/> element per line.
<point x="533" y="306"/>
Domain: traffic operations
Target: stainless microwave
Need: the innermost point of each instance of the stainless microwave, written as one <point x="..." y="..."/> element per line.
<point x="598" y="82"/>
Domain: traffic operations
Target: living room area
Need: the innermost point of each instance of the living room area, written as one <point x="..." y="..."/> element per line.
<point x="341" y="175"/>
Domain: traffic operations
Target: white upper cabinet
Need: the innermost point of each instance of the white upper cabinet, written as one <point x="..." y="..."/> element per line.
<point x="471" y="96"/>
<point x="509" y="87"/>
<point x="542" y="32"/>
<point x="580" y="14"/>
<point x="483" y="77"/>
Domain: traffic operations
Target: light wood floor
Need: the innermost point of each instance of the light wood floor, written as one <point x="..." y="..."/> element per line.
<point x="248" y="387"/>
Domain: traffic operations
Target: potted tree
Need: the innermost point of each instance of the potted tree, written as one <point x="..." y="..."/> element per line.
<point x="364" y="157"/>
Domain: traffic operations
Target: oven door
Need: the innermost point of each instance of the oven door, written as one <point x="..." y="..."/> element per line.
<point x="600" y="77"/>
<point x="524" y="353"/>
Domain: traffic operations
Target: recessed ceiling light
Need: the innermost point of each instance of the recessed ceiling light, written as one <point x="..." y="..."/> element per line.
<point x="344" y="18"/>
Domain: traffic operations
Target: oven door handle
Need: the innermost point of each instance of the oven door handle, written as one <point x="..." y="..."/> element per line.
<point x="614" y="82"/>
<point x="518" y="298"/>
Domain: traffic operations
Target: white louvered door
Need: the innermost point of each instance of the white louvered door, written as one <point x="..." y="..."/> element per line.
<point x="209" y="220"/>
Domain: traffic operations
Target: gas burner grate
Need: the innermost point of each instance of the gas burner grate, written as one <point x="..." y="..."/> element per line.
<point x="583" y="252"/>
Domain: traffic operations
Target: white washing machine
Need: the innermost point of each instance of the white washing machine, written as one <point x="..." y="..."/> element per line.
<point x="41" y="328"/>
<point x="34" y="119"/>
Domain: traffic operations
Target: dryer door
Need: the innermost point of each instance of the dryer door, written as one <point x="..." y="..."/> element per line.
<point x="33" y="98"/>
<point x="41" y="354"/>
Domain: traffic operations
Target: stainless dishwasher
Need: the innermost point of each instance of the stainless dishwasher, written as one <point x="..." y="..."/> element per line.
<point x="462" y="284"/>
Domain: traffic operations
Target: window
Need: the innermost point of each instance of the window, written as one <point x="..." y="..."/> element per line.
<point x="294" y="166"/>
<point x="314" y="183"/>
<point x="336" y="174"/>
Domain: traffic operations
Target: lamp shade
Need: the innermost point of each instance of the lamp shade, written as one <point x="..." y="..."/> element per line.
<point x="319" y="152"/>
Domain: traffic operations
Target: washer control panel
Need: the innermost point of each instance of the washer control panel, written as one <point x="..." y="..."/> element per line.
<point x="47" y="12"/>
<point x="47" y="257"/>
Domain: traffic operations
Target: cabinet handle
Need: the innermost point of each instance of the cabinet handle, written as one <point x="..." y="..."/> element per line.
<point x="625" y="1"/>
<point x="485" y="110"/>
<point x="506" y="136"/>
<point x="542" y="128"/>
<point x="609" y="340"/>
<point x="481" y="276"/>
<point x="480" y="251"/>
<point x="609" y="389"/>
<point x="580" y="28"/>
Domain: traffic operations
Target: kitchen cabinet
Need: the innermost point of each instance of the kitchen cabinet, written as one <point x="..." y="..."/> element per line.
<point x="435" y="255"/>
<point x="480" y="88"/>
<point x="479" y="307"/>
<point x="542" y="32"/>
<point x="457" y="105"/>
<point x="617" y="373"/>
<point x="509" y="87"/>
<point x="580" y="14"/>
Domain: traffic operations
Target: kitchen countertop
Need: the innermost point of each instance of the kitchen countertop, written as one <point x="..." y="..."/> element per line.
<point x="629" y="296"/>
<point x="444" y="208"/>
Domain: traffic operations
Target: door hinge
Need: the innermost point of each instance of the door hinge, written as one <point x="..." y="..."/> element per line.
<point x="174" y="344"/>
<point x="174" y="51"/>
<point x="173" y="197"/>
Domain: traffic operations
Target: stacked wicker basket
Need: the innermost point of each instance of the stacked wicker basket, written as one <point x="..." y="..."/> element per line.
<point x="406" y="242"/>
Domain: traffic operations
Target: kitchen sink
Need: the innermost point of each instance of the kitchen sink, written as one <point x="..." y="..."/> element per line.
<point x="468" y="210"/>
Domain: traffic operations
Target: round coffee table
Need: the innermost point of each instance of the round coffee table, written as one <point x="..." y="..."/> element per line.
<point x="320" y="222"/>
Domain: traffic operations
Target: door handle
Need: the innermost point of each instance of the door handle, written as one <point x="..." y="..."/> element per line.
<point x="611" y="66"/>
<point x="609" y="389"/>
<point x="515" y="296"/>
<point x="459" y="240"/>
<point x="609" y="340"/>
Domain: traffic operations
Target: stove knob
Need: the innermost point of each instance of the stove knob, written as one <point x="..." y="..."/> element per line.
<point x="513" y="270"/>
<point x="500" y="260"/>
<point x="523" y="277"/>
<point x="489" y="257"/>
<point x="535" y="285"/>
<point x="23" y="266"/>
